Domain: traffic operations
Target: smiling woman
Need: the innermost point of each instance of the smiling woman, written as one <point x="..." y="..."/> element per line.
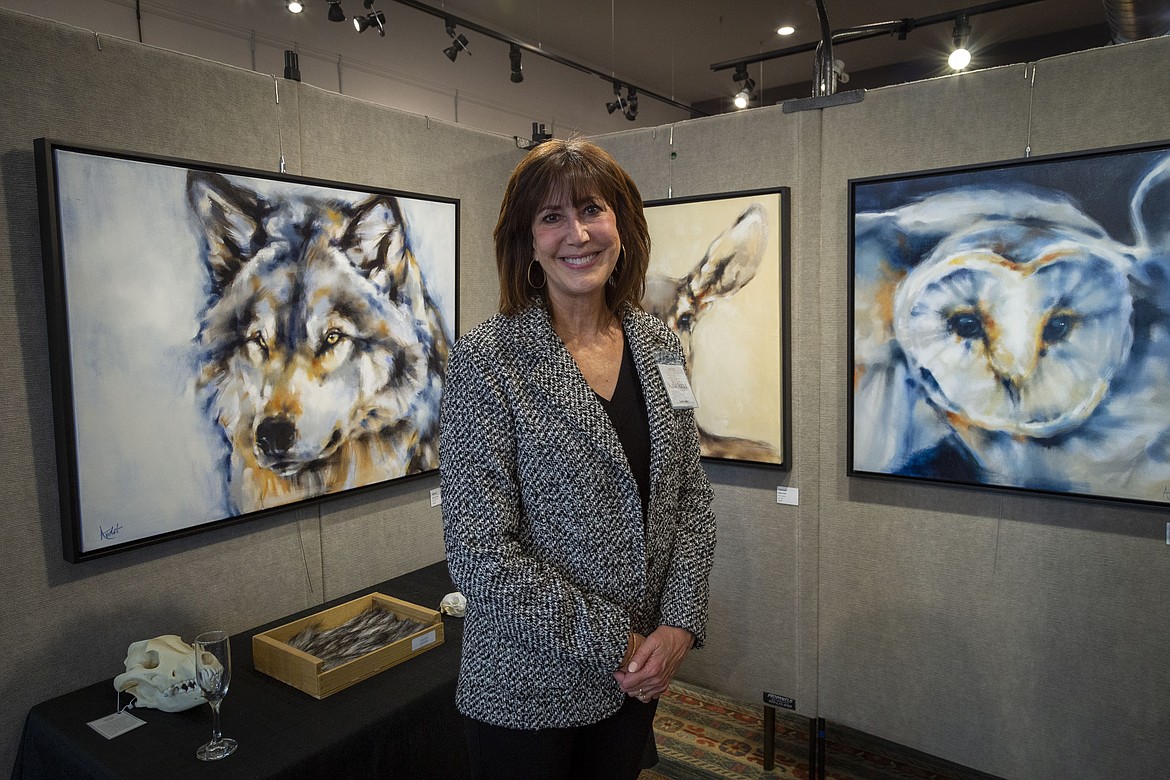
<point x="576" y="517"/>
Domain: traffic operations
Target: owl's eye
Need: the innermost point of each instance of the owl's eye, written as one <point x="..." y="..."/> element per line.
<point x="1058" y="327"/>
<point x="966" y="325"/>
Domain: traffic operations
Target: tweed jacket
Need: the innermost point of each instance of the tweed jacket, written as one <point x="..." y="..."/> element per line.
<point x="543" y="522"/>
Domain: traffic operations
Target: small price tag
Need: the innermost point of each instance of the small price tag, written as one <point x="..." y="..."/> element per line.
<point x="115" y="725"/>
<point x="436" y="496"/>
<point x="787" y="495"/>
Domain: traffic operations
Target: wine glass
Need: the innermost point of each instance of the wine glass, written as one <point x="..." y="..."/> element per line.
<point x="213" y="672"/>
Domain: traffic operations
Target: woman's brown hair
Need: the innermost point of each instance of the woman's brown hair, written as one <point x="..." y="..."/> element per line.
<point x="583" y="170"/>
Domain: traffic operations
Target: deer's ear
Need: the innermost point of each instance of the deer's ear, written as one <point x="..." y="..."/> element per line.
<point x="231" y="219"/>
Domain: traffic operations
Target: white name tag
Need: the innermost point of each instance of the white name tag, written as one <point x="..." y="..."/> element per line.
<point x="678" y="388"/>
<point x="115" y="725"/>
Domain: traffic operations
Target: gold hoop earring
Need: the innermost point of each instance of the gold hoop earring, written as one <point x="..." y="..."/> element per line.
<point x="531" y="283"/>
<point x="617" y="268"/>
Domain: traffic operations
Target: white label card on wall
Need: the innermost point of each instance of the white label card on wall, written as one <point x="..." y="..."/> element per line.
<point x="787" y="495"/>
<point x="436" y="496"/>
<point x="115" y="725"/>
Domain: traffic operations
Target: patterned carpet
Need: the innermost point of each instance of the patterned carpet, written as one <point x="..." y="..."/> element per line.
<point x="702" y="735"/>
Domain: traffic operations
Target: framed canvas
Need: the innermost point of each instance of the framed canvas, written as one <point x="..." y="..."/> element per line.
<point x="1011" y="325"/>
<point x="226" y="342"/>
<point x="718" y="278"/>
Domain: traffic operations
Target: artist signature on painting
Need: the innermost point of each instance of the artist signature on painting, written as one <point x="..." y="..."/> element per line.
<point x="1166" y="493"/>
<point x="111" y="532"/>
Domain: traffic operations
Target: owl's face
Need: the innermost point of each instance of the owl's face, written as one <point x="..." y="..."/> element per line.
<point x="1016" y="328"/>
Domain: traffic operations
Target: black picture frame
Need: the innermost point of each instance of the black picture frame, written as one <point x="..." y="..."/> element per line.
<point x="719" y="278"/>
<point x="226" y="343"/>
<point x="1009" y="326"/>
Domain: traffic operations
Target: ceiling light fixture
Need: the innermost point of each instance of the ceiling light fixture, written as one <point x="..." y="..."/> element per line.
<point x="335" y="12"/>
<point x="823" y="78"/>
<point x="961" y="56"/>
<point x="458" y="43"/>
<point x="627" y="105"/>
<point x="616" y="104"/>
<point x="747" y="86"/>
<point x="372" y="19"/>
<point x="537" y="51"/>
<point x="517" y="67"/>
<point x="786" y="30"/>
<point x="744" y="96"/>
<point x="294" y="7"/>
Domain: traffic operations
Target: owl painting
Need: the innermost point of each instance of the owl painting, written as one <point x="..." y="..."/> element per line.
<point x="1011" y="326"/>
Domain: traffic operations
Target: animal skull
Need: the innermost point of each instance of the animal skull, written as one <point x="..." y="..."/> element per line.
<point x="160" y="673"/>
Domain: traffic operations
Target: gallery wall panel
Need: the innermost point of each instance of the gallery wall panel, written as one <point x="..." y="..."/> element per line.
<point x="58" y="82"/>
<point x="1112" y="96"/>
<point x="946" y="611"/>
<point x="100" y="91"/>
<point x="763" y="582"/>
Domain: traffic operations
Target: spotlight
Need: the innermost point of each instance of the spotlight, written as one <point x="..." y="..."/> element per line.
<point x="372" y="19"/>
<point x="517" y="68"/>
<point x="458" y="44"/>
<point x="627" y="105"/>
<point x="961" y="56"/>
<point x="335" y="12"/>
<point x="747" y="85"/>
<point x="785" y="30"/>
<point x="744" y="96"/>
<point x="617" y="103"/>
<point x="294" y="7"/>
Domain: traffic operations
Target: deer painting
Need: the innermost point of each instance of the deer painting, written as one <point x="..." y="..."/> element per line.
<point x="688" y="288"/>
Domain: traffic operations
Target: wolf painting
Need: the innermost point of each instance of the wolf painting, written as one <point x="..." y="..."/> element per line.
<point x="227" y="341"/>
<point x="322" y="352"/>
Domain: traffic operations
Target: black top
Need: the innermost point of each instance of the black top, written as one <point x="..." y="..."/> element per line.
<point x="627" y="412"/>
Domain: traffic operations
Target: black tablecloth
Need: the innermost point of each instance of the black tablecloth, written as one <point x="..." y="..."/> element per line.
<point x="399" y="723"/>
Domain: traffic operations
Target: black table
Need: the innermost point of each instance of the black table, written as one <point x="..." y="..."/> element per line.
<point x="399" y="723"/>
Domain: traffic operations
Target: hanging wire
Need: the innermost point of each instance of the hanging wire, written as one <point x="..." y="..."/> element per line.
<point x="612" y="39"/>
<point x="1031" y="66"/>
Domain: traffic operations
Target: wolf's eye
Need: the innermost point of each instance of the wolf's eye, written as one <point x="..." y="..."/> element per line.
<point x="257" y="338"/>
<point x="333" y="337"/>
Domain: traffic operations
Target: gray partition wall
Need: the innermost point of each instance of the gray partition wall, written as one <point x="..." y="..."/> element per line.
<point x="66" y="625"/>
<point x="1019" y="635"/>
<point x="1022" y="636"/>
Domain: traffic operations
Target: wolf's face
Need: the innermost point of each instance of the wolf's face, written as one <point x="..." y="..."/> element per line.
<point x="322" y="351"/>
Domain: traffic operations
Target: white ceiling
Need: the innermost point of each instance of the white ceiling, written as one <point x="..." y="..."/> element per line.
<point x="664" y="46"/>
<point x="668" y="46"/>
